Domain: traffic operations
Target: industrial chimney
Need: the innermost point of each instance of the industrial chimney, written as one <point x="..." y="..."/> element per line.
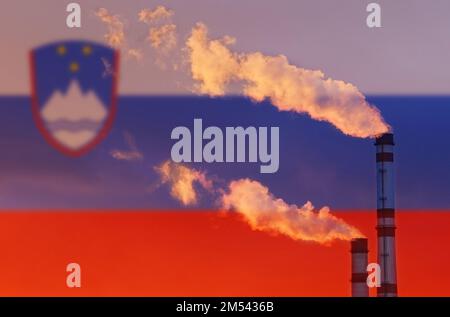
<point x="386" y="215"/>
<point x="359" y="267"/>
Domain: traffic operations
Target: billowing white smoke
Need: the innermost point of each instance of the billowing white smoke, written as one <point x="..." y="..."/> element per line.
<point x="182" y="181"/>
<point x="266" y="213"/>
<point x="289" y="88"/>
<point x="214" y="66"/>
<point x="260" y="209"/>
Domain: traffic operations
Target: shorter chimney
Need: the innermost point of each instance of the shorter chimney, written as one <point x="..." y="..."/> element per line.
<point x="359" y="252"/>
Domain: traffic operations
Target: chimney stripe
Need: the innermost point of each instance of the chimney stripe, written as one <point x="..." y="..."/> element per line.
<point x="359" y="277"/>
<point x="386" y="213"/>
<point x="385" y="157"/>
<point x="387" y="288"/>
<point x="386" y="231"/>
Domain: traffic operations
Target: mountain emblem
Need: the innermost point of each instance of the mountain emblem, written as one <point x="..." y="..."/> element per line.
<point x="74" y="97"/>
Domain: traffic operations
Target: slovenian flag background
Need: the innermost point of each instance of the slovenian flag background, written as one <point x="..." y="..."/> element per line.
<point x="98" y="187"/>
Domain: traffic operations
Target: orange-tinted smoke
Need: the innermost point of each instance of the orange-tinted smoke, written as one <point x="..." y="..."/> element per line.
<point x="264" y="212"/>
<point x="290" y="88"/>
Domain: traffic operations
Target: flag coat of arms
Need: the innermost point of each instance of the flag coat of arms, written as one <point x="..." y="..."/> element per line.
<point x="74" y="93"/>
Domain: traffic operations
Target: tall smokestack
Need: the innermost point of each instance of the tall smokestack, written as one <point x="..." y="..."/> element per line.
<point x="386" y="215"/>
<point x="359" y="267"/>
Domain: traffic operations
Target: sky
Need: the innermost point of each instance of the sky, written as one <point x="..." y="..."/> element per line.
<point x="408" y="55"/>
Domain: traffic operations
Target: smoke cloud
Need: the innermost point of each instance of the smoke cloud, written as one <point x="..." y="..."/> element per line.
<point x="126" y="155"/>
<point x="214" y="67"/>
<point x="182" y="180"/>
<point x="264" y="212"/>
<point x="290" y="88"/>
<point x="258" y="207"/>
<point x="132" y="154"/>
<point x="135" y="54"/>
<point x="162" y="33"/>
<point x="212" y="63"/>
<point x="116" y="35"/>
<point x="149" y="16"/>
<point x="163" y="38"/>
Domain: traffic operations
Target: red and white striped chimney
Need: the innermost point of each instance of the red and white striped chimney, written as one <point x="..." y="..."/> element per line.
<point x="386" y="215"/>
<point x="359" y="252"/>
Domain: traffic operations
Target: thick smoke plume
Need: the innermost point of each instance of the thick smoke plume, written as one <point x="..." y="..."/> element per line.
<point x="182" y="180"/>
<point x="290" y="88"/>
<point x="264" y="212"/>
<point x="214" y="66"/>
<point x="259" y="208"/>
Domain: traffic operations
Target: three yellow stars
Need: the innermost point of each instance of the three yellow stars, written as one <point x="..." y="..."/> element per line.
<point x="74" y="66"/>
